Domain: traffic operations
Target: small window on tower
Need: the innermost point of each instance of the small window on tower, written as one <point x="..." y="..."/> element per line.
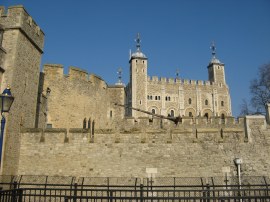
<point x="111" y="114"/>
<point x="222" y="103"/>
<point x="153" y="111"/>
<point x="190" y="114"/>
<point x="206" y="102"/>
<point x="189" y="101"/>
<point x="172" y="113"/>
<point x="140" y="102"/>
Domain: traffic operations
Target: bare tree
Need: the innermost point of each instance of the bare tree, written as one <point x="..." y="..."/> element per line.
<point x="260" y="89"/>
<point x="245" y="110"/>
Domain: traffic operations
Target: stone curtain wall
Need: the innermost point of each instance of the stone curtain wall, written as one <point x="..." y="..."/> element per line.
<point x="188" y="150"/>
<point x="78" y="96"/>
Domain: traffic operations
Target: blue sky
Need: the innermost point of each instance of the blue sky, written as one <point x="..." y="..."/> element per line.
<point x="96" y="35"/>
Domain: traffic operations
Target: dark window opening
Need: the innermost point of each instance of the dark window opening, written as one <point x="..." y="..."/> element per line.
<point x="111" y="114"/>
<point x="84" y="123"/>
<point x="89" y="123"/>
<point x="189" y="101"/>
<point x="206" y="102"/>
<point x="190" y="114"/>
<point x="48" y="125"/>
<point x="172" y="113"/>
<point x="223" y="118"/>
<point x="153" y="111"/>
<point x="222" y="103"/>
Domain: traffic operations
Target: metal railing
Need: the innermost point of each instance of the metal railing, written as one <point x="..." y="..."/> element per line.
<point x="99" y="189"/>
<point x="100" y="195"/>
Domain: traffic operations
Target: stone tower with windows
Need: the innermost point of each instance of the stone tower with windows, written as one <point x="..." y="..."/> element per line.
<point x="137" y="95"/>
<point x="20" y="51"/>
<point x="216" y="69"/>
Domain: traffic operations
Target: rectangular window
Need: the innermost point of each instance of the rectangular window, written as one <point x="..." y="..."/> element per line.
<point x="49" y="125"/>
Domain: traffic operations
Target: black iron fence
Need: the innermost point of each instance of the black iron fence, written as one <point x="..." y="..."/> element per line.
<point x="140" y="195"/>
<point x="49" y="188"/>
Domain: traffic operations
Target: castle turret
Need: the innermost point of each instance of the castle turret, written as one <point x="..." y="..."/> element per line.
<point x="138" y="80"/>
<point x="220" y="95"/>
<point x="216" y="68"/>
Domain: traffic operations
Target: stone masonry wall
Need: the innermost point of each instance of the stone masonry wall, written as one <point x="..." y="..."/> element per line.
<point x="23" y="42"/>
<point x="186" y="150"/>
<point x="78" y="96"/>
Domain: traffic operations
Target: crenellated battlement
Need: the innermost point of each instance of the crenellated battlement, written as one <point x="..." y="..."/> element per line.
<point x="57" y="71"/>
<point x="189" y="149"/>
<point x="164" y="80"/>
<point x="141" y="130"/>
<point x="17" y="17"/>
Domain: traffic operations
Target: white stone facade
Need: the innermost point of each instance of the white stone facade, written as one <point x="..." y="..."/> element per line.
<point x="177" y="97"/>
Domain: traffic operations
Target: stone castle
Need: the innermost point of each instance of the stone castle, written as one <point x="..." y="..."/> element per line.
<point x="69" y="124"/>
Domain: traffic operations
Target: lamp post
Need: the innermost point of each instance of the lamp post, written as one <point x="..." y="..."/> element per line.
<point x="238" y="162"/>
<point x="6" y="100"/>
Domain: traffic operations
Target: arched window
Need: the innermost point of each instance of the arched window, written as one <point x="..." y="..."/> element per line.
<point x="153" y="111"/>
<point x="222" y="103"/>
<point x="223" y="118"/>
<point x="206" y="102"/>
<point x="156" y="98"/>
<point x="206" y="115"/>
<point x="84" y="123"/>
<point x="89" y="123"/>
<point x="190" y="114"/>
<point x="189" y="101"/>
<point x="166" y="98"/>
<point x="151" y="97"/>
<point x="169" y="98"/>
<point x="172" y="113"/>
